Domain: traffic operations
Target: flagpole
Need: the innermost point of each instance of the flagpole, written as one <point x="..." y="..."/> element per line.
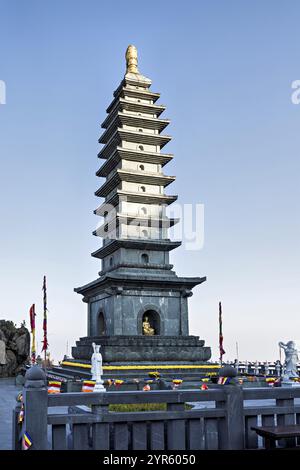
<point x="220" y="335"/>
<point x="45" y="340"/>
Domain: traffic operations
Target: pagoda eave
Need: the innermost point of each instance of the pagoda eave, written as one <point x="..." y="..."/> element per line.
<point x="132" y="93"/>
<point x="133" y="177"/>
<point x="137" y="244"/>
<point x="140" y="198"/>
<point x="133" y="80"/>
<point x="185" y="284"/>
<point x="137" y="137"/>
<point x="122" y="118"/>
<point x="108" y="227"/>
<point x="132" y="155"/>
<point x="147" y="108"/>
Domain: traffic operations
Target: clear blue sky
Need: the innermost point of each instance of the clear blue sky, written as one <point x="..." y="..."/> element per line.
<point x="224" y="70"/>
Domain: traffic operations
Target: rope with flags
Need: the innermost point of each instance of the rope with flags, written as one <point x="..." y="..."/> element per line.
<point x="222" y="352"/>
<point x="45" y="339"/>
<point x="32" y="326"/>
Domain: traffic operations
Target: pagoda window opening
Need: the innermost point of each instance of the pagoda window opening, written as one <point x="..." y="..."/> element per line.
<point x="111" y="260"/>
<point x="144" y="233"/>
<point x="145" y="258"/>
<point x="141" y="147"/>
<point x="100" y="324"/>
<point x="143" y="189"/>
<point x="151" y="323"/>
<point x="144" y="210"/>
<point x="141" y="167"/>
<point x="140" y="130"/>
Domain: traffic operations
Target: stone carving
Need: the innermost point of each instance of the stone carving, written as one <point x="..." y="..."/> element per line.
<point x="14" y="348"/>
<point x="291" y="359"/>
<point x="147" y="329"/>
<point x="97" y="369"/>
<point x="2" y="353"/>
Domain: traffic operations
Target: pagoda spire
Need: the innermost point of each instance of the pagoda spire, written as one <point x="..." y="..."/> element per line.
<point x="131" y="59"/>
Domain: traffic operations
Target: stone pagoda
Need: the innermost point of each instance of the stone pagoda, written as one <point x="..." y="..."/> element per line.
<point x="138" y="306"/>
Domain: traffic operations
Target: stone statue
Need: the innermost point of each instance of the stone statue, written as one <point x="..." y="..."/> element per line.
<point x="267" y="369"/>
<point x="291" y="359"/>
<point x="147" y="329"/>
<point x="97" y="369"/>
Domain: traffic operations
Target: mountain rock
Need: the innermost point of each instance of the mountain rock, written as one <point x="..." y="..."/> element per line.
<point x="14" y="348"/>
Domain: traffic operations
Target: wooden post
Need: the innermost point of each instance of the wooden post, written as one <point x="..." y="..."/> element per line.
<point x="100" y="436"/>
<point x="35" y="398"/>
<point x="176" y="428"/>
<point x="234" y="427"/>
<point x="16" y="443"/>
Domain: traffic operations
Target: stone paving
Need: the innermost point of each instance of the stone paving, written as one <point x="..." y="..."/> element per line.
<point x="8" y="393"/>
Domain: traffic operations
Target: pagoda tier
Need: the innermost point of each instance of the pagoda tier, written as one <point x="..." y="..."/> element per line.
<point x="154" y="245"/>
<point x="134" y="120"/>
<point x="139" y="177"/>
<point x="120" y="219"/>
<point x="132" y="197"/>
<point x="134" y="156"/>
<point x="143" y="136"/>
<point x="134" y="94"/>
<point x="123" y="104"/>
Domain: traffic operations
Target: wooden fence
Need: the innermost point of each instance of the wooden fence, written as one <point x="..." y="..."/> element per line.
<point x="84" y="421"/>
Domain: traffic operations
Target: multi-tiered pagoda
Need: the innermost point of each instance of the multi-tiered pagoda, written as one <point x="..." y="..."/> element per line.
<point x="137" y="307"/>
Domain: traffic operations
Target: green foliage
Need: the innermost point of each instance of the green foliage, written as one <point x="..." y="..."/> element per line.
<point x="141" y="407"/>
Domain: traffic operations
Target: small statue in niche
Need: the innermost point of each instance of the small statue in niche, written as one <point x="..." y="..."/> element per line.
<point x="147" y="328"/>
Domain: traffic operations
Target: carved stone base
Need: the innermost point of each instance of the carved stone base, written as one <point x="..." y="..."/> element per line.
<point x="144" y="349"/>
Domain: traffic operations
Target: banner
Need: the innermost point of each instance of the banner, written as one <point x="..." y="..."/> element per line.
<point x="32" y="326"/>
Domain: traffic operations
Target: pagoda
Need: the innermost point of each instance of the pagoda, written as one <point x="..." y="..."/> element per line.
<point x="138" y="306"/>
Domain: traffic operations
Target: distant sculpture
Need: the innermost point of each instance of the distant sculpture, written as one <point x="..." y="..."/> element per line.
<point x="97" y="369"/>
<point x="267" y="369"/>
<point x="291" y="359"/>
<point x="147" y="329"/>
<point x="278" y="368"/>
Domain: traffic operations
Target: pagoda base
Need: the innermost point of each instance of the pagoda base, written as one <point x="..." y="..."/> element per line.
<point x="143" y="349"/>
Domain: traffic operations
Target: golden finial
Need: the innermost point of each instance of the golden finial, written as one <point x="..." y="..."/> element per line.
<point x="131" y="59"/>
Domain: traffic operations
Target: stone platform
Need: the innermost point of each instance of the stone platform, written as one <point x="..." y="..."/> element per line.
<point x="71" y="369"/>
<point x="144" y="349"/>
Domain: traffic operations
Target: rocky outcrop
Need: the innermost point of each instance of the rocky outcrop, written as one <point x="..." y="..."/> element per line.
<point x="14" y="348"/>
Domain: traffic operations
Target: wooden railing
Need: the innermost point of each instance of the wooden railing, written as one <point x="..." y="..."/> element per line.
<point x="84" y="421"/>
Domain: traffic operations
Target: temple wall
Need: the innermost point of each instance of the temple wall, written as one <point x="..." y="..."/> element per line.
<point x="123" y="314"/>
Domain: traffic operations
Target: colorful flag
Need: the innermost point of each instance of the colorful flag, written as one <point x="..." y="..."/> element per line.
<point x="88" y="386"/>
<point x="54" y="386"/>
<point x="26" y="441"/>
<point x="220" y="333"/>
<point x="45" y="340"/>
<point x="32" y="326"/>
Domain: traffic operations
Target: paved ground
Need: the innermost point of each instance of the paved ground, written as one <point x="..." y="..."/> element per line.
<point x="8" y="393"/>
